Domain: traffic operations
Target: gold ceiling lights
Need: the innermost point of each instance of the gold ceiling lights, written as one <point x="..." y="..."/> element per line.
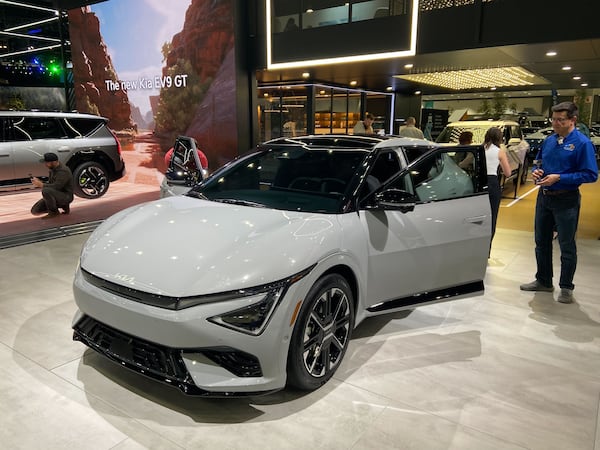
<point x="477" y="78"/>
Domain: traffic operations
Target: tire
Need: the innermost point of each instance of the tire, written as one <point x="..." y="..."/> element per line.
<point x="90" y="180"/>
<point x="322" y="333"/>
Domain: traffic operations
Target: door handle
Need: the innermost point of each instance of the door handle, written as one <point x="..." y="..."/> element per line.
<point x="477" y="219"/>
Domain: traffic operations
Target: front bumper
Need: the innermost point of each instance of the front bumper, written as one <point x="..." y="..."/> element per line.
<point x="167" y="365"/>
<point x="182" y="348"/>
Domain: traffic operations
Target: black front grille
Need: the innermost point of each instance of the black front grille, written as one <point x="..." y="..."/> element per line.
<point x="161" y="363"/>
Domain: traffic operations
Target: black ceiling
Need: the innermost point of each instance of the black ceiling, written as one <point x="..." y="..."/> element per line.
<point x="33" y="41"/>
<point x="32" y="24"/>
<point x="583" y="56"/>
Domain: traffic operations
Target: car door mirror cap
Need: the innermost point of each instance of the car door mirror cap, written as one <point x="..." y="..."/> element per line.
<point x="395" y="199"/>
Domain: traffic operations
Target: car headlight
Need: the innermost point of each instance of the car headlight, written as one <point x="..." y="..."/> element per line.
<point x="254" y="318"/>
<point x="251" y="319"/>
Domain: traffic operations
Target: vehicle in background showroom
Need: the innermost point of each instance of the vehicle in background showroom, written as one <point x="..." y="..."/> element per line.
<point x="595" y="138"/>
<point x="529" y="130"/>
<point x="514" y="143"/>
<point x="535" y="141"/>
<point x="184" y="170"/>
<point x="257" y="276"/>
<point x="83" y="142"/>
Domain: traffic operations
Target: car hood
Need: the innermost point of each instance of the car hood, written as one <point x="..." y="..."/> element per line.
<point x="182" y="246"/>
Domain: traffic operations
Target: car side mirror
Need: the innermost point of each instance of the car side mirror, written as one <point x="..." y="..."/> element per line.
<point x="180" y="178"/>
<point x="395" y="199"/>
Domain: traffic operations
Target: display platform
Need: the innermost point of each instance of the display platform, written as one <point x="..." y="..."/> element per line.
<point x="18" y="226"/>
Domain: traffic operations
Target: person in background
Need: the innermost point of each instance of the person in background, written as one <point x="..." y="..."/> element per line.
<point x="57" y="192"/>
<point x="365" y="126"/>
<point x="495" y="157"/>
<point x="289" y="128"/>
<point x="291" y="25"/>
<point x="428" y="129"/>
<point x="568" y="160"/>
<point x="466" y="138"/>
<point x="410" y="130"/>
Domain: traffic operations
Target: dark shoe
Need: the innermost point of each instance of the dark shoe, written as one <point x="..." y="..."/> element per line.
<point x="51" y="214"/>
<point x="565" y="296"/>
<point x="66" y="209"/>
<point x="536" y="286"/>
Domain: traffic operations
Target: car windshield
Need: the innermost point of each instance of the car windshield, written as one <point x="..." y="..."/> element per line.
<point x="294" y="178"/>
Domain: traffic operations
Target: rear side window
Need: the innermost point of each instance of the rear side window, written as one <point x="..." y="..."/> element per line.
<point x="77" y="127"/>
<point x="33" y="128"/>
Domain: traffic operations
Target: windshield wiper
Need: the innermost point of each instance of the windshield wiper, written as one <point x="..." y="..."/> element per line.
<point x="235" y="201"/>
<point x="197" y="194"/>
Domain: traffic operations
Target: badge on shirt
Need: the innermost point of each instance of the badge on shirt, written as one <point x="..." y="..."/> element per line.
<point x="569" y="147"/>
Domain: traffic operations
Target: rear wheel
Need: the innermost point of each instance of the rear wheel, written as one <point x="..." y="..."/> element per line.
<point x="322" y="333"/>
<point x="91" y="180"/>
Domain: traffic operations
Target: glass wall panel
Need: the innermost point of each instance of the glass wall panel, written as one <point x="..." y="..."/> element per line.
<point x="314" y="18"/>
<point x="323" y="107"/>
<point x="332" y="113"/>
<point x="305" y="14"/>
<point x="283" y="110"/>
<point x="285" y="15"/>
<point x="354" y="107"/>
<point x="379" y="105"/>
<point x="311" y="30"/>
<point x="373" y="9"/>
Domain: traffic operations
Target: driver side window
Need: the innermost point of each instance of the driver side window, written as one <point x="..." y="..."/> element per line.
<point x="385" y="167"/>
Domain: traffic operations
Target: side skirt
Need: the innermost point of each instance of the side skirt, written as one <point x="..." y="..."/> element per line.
<point x="441" y="295"/>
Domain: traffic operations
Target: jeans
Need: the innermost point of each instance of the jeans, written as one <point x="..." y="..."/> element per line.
<point x="560" y="211"/>
<point x="495" y="197"/>
<point x="52" y="199"/>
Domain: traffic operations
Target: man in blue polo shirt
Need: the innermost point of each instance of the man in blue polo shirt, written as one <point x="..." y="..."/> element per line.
<point x="568" y="160"/>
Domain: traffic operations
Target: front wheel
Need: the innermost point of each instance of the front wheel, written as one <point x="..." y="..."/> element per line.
<point x="322" y="333"/>
<point x="91" y="180"/>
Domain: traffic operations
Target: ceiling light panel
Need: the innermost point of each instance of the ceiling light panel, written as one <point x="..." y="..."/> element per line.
<point x="477" y="78"/>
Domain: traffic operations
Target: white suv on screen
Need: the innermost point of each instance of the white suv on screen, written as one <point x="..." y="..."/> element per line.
<point x="83" y="142"/>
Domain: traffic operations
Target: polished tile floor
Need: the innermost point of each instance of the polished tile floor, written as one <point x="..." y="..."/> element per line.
<point x="506" y="370"/>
